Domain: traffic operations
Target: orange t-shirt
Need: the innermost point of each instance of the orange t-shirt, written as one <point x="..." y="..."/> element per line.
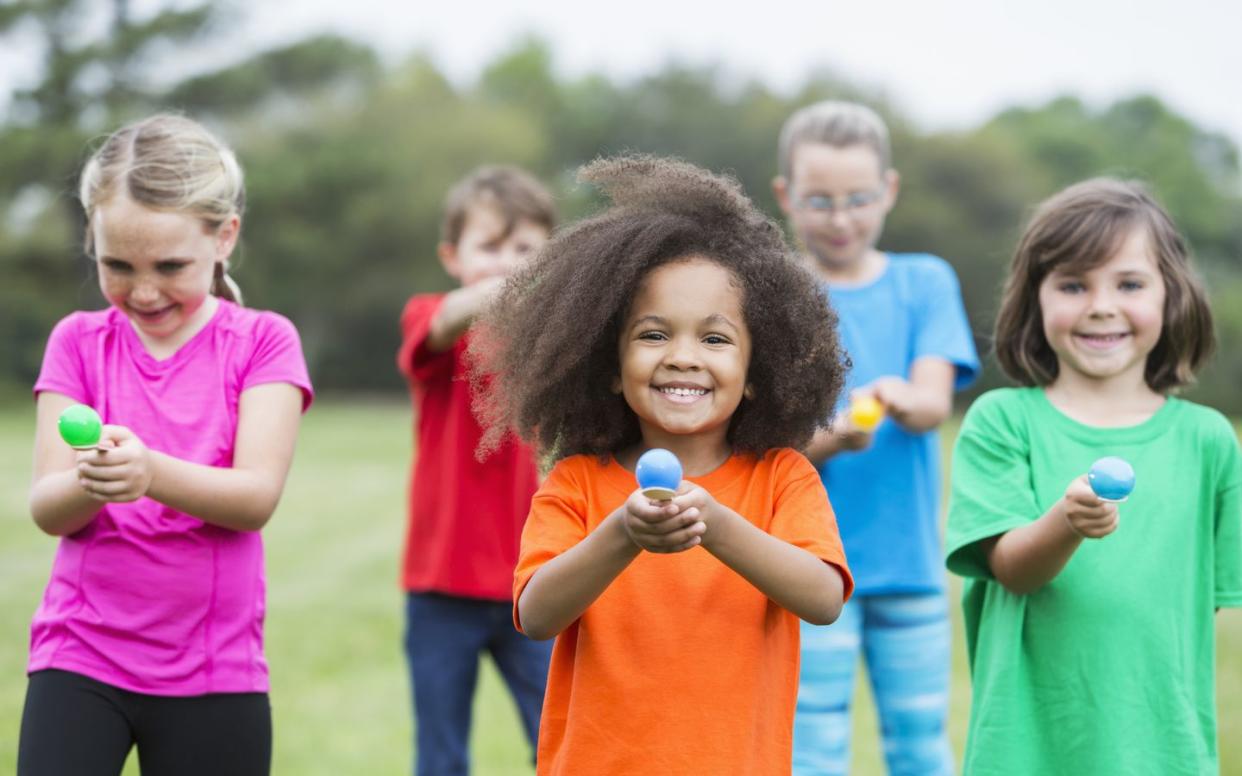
<point x="681" y="666"/>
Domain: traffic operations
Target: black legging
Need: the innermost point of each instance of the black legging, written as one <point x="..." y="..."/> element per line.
<point x="76" y="726"/>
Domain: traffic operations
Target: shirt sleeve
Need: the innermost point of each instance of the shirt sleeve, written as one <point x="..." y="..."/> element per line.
<point x="557" y="521"/>
<point x="1228" y="538"/>
<point x="803" y="515"/>
<point x="941" y="327"/>
<point x="63" y="370"/>
<point x="417" y="362"/>
<point x="991" y="490"/>
<point x="278" y="358"/>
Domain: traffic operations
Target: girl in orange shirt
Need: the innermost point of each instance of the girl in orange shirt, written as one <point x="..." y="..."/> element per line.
<point x="677" y="319"/>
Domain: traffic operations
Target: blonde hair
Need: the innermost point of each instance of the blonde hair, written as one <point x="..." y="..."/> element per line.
<point x="169" y="163"/>
<point x="835" y="123"/>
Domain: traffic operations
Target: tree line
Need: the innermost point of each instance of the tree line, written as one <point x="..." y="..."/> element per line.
<point x="348" y="159"/>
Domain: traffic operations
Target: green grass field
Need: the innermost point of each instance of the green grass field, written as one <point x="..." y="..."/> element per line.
<point x="339" y="687"/>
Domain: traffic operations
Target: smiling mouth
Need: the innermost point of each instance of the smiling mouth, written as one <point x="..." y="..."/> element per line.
<point x="682" y="394"/>
<point x="1101" y="341"/>
<point x="151" y="315"/>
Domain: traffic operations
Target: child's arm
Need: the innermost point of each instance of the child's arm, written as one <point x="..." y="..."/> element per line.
<point x="841" y="436"/>
<point x="1027" y="558"/>
<point x="919" y="404"/>
<point x="924" y="400"/>
<point x="242" y="497"/>
<point x="562" y="589"/>
<point x="458" y="311"/>
<point x="58" y="504"/>
<point x="790" y="576"/>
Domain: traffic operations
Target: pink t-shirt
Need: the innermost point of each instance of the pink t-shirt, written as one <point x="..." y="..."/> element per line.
<point x="147" y="598"/>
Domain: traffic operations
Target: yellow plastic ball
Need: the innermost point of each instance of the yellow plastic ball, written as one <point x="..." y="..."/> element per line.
<point x="866" y="412"/>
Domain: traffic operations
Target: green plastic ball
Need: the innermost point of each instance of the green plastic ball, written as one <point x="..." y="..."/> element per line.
<point x="80" y="426"/>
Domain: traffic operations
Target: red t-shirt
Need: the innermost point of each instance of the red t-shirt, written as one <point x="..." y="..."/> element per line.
<point x="465" y="516"/>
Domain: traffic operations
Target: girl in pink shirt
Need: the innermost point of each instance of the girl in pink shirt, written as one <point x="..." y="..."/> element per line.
<point x="151" y="627"/>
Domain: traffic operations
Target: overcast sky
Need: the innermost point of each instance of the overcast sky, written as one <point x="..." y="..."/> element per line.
<point x="945" y="63"/>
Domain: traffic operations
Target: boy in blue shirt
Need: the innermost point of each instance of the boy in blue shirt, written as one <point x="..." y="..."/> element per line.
<point x="904" y="327"/>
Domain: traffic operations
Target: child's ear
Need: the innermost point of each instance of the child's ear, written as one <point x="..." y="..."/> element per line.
<point x="226" y="238"/>
<point x="749" y="391"/>
<point x="892" y="185"/>
<point x="616" y="385"/>
<point x="446" y="252"/>
<point x="780" y="187"/>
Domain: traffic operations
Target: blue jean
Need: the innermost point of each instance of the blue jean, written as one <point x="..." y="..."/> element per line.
<point x="444" y="638"/>
<point x="905" y="640"/>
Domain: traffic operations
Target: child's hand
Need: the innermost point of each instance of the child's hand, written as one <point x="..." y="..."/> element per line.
<point x="849" y="436"/>
<point x="118" y="470"/>
<point x="661" y="526"/>
<point x="1088" y="515"/>
<point x="696" y="503"/>
<point x="897" y="396"/>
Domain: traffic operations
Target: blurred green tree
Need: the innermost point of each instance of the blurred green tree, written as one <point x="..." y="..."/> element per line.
<point x="101" y="64"/>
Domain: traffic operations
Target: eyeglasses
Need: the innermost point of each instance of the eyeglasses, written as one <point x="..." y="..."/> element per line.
<point x="849" y="204"/>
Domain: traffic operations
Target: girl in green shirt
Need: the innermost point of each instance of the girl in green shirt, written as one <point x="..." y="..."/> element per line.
<point x="1090" y="624"/>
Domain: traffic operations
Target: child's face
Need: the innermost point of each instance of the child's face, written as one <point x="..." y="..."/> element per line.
<point x="485" y="251"/>
<point x="157" y="267"/>
<point x="684" y="351"/>
<point x="1102" y="323"/>
<point x="837" y="199"/>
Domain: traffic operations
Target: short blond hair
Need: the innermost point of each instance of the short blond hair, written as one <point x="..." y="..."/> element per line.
<point x="835" y="123"/>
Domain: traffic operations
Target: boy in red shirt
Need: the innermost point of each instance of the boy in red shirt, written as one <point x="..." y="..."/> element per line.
<point x="465" y="515"/>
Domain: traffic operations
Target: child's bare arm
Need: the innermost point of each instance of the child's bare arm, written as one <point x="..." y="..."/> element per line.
<point x="841" y="436"/>
<point x="458" y="311"/>
<point x="924" y="400"/>
<point x="789" y="575"/>
<point x="1025" y="559"/>
<point x="241" y="497"/>
<point x="562" y="589"/>
<point x="58" y="504"/>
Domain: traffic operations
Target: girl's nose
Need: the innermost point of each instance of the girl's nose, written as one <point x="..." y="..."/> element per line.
<point x="1103" y="302"/>
<point x="682" y="354"/>
<point x="144" y="291"/>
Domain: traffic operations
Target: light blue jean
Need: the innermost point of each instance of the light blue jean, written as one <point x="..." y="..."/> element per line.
<point x="905" y="641"/>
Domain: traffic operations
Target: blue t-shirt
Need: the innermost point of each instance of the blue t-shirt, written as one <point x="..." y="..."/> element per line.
<point x="887" y="497"/>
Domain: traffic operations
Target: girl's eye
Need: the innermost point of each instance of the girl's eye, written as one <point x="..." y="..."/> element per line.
<point x="1071" y="287"/>
<point x="654" y="336"/>
<point x="169" y="267"/>
<point x="716" y="339"/>
<point x="118" y="267"/>
<point x="1131" y="285"/>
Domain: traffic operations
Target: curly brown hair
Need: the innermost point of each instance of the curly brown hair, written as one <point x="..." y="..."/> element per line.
<point x="545" y="355"/>
<point x="1080" y="228"/>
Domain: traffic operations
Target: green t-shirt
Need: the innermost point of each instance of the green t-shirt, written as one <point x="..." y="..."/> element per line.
<point x="1110" y="667"/>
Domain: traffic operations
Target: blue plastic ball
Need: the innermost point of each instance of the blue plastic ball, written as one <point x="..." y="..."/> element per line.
<point x="1111" y="478"/>
<point x="659" y="473"/>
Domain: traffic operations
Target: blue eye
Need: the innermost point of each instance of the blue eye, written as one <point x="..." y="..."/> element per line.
<point x="1131" y="285"/>
<point x="861" y="199"/>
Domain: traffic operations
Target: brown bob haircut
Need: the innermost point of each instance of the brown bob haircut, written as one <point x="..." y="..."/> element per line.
<point x="512" y="192"/>
<point x="546" y="353"/>
<point x="1076" y="230"/>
